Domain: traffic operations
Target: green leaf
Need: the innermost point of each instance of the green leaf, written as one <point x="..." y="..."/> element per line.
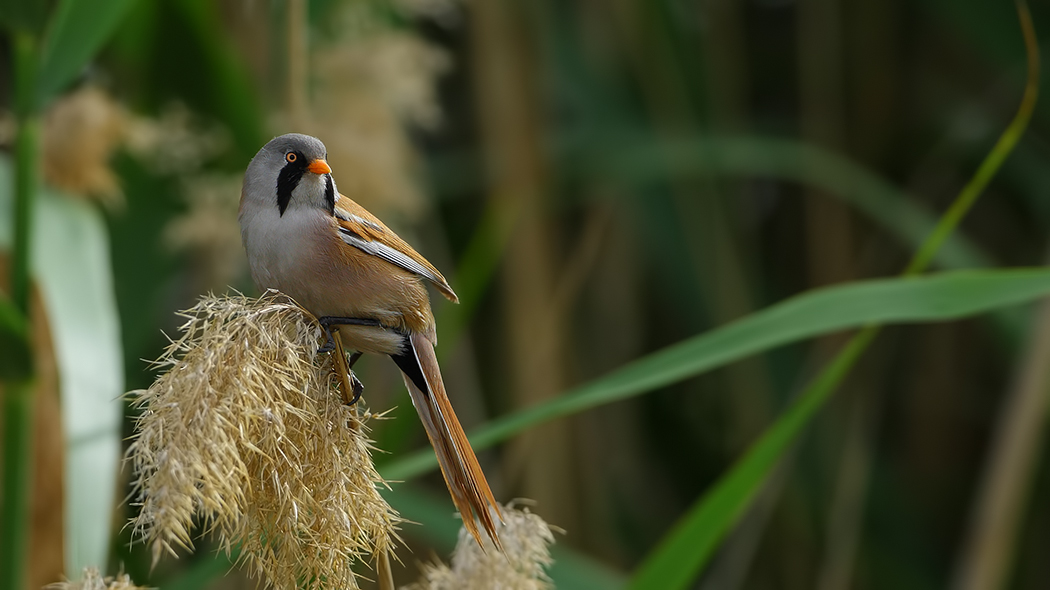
<point x="24" y="16"/>
<point x="937" y="297"/>
<point x="77" y="31"/>
<point x="15" y="358"/>
<point x="684" y="552"/>
<point x="639" y="159"/>
<point x="219" y="83"/>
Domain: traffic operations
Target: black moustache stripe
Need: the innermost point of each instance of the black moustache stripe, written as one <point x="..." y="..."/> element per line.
<point x="329" y="194"/>
<point x="287" y="180"/>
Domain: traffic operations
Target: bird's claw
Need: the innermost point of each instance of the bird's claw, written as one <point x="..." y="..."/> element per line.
<point x="356" y="387"/>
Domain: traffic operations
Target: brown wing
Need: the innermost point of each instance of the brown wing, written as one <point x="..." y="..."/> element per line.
<point x="364" y="231"/>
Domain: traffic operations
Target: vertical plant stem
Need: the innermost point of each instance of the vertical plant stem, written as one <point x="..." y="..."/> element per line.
<point x="995" y="158"/>
<point x="384" y="573"/>
<point x="990" y="547"/>
<point x="18" y="400"/>
<point x="14" y="511"/>
<point x="829" y="234"/>
<point x="512" y="135"/>
<point x="297" y="62"/>
<point x="26" y="164"/>
<point x="846" y="509"/>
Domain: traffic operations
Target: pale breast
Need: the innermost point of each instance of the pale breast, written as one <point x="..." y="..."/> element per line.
<point x="281" y="252"/>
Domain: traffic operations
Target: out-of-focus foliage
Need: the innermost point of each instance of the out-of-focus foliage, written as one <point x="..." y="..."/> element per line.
<point x="612" y="188"/>
<point x="71" y="268"/>
<point x="75" y="33"/>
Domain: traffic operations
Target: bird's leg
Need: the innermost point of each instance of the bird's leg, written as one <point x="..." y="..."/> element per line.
<point x="328" y="321"/>
<point x="351" y="385"/>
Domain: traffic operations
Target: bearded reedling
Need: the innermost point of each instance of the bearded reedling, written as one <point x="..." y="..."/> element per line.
<point x="366" y="286"/>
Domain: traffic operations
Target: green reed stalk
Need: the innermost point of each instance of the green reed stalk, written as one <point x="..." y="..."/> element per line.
<point x="18" y="395"/>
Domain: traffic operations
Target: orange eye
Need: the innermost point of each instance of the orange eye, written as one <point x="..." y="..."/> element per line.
<point x="291" y="157"/>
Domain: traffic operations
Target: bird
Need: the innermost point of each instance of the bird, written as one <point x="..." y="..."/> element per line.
<point x="367" y="288"/>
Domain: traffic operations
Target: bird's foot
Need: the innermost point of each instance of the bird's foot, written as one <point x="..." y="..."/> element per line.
<point x="355" y="384"/>
<point x="356" y="387"/>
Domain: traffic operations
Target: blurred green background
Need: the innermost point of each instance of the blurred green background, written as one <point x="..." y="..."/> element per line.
<point x="598" y="181"/>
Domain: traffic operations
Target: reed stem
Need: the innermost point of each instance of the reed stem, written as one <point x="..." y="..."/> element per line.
<point x="18" y="395"/>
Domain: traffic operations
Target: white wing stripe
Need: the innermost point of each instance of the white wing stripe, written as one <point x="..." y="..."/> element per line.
<point x="346" y="216"/>
<point x="387" y="253"/>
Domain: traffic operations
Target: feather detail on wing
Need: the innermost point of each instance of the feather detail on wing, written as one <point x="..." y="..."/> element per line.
<point x="463" y="476"/>
<point x="364" y="231"/>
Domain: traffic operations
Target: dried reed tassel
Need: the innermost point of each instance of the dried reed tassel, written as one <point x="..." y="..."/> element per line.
<point x="246" y="429"/>
<point x="91" y="579"/>
<point x="526" y="541"/>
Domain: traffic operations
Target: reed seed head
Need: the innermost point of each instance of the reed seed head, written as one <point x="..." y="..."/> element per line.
<point x="246" y="430"/>
<point x="91" y="579"/>
<point x="526" y="540"/>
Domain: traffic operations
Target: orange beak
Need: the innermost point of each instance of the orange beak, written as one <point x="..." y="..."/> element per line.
<point x="319" y="166"/>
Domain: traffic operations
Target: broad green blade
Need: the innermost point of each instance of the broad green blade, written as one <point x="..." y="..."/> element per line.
<point x="749" y="156"/>
<point x="686" y="550"/>
<point x="938" y="297"/>
<point x="77" y="30"/>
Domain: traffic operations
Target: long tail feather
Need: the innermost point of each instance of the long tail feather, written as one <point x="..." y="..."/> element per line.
<point x="459" y="466"/>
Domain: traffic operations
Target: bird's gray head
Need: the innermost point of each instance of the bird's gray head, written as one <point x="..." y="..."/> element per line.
<point x="290" y="172"/>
